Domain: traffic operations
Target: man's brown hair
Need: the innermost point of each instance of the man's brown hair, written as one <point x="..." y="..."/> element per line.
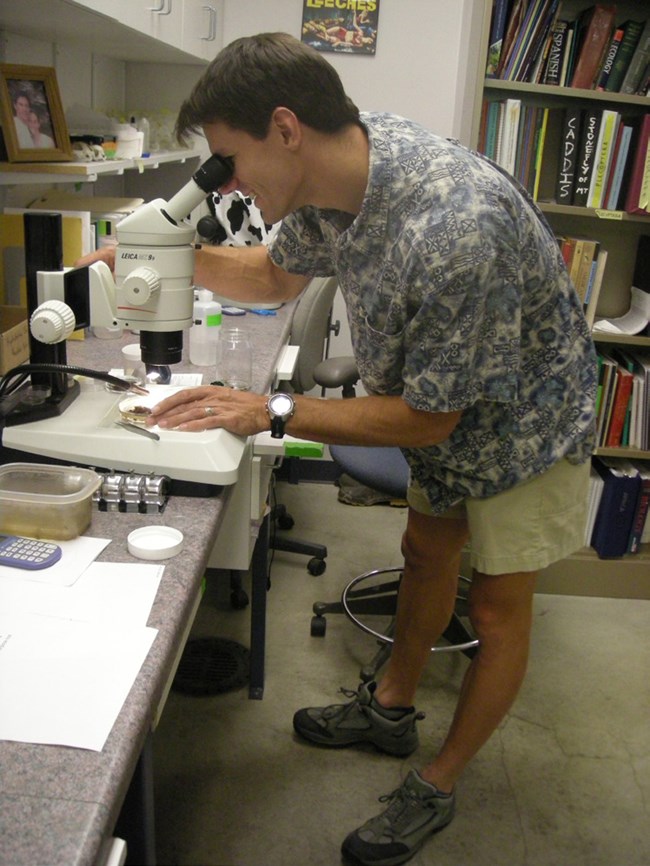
<point x="254" y="75"/>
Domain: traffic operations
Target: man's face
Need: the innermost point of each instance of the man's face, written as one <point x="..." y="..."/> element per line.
<point x="262" y="169"/>
<point x="23" y="108"/>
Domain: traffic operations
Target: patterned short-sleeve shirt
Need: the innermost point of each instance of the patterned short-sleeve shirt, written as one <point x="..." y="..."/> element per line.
<point x="457" y="299"/>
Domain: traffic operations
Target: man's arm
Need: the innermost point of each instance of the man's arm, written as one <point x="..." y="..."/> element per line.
<point x="373" y="420"/>
<point x="245" y="274"/>
<point x="241" y="273"/>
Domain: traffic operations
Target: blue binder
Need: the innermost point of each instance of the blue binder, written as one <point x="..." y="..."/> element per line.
<point x="617" y="506"/>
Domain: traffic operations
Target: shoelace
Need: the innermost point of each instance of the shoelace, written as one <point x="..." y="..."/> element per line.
<point x="403" y="805"/>
<point x="334" y="709"/>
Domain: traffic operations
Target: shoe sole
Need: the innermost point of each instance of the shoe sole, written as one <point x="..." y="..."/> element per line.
<point x="355" y="860"/>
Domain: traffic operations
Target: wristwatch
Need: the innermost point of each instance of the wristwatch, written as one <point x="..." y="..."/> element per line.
<point x="280" y="408"/>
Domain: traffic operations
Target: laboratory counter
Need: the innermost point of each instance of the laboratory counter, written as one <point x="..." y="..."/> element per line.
<point x="59" y="805"/>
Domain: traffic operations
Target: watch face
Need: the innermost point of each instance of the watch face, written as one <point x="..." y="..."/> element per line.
<point x="281" y="404"/>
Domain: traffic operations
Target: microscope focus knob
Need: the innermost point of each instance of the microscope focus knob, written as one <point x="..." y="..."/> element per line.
<point x="140" y="284"/>
<point x="52" y="322"/>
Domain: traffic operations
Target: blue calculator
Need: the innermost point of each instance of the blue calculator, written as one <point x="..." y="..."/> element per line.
<point x="31" y="553"/>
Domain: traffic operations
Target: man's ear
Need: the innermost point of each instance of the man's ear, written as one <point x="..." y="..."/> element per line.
<point x="288" y="125"/>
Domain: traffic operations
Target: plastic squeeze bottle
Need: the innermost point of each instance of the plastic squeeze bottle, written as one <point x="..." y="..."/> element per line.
<point x="204" y="333"/>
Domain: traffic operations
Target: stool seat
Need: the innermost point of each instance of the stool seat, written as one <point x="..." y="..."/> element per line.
<point x="383" y="468"/>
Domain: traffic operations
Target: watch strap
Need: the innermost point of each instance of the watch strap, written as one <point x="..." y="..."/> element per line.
<point x="277" y="427"/>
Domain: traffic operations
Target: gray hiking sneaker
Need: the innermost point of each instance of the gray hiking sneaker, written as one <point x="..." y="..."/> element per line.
<point x="417" y="810"/>
<point x="362" y="720"/>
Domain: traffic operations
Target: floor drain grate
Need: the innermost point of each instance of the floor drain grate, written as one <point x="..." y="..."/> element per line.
<point x="210" y="666"/>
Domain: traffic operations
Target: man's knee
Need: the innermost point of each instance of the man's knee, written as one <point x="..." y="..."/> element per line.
<point x="500" y="607"/>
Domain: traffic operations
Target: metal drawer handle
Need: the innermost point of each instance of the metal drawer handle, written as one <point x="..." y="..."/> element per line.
<point x="212" y="30"/>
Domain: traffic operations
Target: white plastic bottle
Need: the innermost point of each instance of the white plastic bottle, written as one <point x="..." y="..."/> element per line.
<point x="204" y="333"/>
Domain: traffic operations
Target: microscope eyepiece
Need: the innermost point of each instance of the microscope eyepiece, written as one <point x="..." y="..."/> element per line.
<point x="213" y="173"/>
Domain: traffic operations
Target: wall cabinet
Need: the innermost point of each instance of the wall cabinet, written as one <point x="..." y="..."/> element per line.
<point x="193" y="26"/>
<point x="156" y="31"/>
<point x="618" y="233"/>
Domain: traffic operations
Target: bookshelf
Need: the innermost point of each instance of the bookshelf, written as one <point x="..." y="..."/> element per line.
<point x="617" y="231"/>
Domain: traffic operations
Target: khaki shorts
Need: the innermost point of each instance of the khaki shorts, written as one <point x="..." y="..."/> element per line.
<point x="526" y="528"/>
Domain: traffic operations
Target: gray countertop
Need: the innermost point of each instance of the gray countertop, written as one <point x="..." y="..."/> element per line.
<point x="59" y="804"/>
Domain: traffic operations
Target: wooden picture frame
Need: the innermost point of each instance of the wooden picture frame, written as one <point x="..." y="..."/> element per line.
<point x="33" y="123"/>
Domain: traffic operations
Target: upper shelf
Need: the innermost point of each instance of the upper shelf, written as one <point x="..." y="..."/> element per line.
<point x="547" y="90"/>
<point x="84" y="172"/>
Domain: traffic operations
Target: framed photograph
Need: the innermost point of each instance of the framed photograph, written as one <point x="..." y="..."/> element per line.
<point x="351" y="29"/>
<point x="33" y="123"/>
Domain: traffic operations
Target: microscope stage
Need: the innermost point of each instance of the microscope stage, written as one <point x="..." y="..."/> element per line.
<point x="86" y="434"/>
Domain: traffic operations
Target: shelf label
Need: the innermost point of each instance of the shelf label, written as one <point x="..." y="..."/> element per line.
<point x="609" y="214"/>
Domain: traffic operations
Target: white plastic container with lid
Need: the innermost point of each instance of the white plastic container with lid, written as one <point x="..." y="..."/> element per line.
<point x="204" y="333"/>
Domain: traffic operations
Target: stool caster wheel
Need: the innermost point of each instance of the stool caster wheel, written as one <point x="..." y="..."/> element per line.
<point x="316" y="566"/>
<point x="318" y="626"/>
<point x="238" y="599"/>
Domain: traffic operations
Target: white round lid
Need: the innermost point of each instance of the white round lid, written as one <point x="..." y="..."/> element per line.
<point x="155" y="542"/>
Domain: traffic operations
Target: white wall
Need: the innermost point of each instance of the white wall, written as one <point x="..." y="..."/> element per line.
<point x="424" y="68"/>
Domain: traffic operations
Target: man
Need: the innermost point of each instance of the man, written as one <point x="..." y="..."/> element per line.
<point x="477" y="362"/>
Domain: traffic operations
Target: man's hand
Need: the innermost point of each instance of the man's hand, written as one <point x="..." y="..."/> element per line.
<point x="209" y="407"/>
<point x="105" y="254"/>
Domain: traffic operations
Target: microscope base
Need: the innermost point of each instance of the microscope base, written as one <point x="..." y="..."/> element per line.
<point x="27" y="404"/>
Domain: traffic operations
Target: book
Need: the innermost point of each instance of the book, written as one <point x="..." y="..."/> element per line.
<point x="541" y="24"/>
<point x="617" y="508"/>
<point x="576" y="258"/>
<point x="510" y="134"/>
<point x="596" y="484"/>
<point x="632" y="34"/>
<point x="567" y="58"/>
<point x="524" y="35"/>
<point x="568" y="155"/>
<point x="558" y="44"/>
<point x="567" y="248"/>
<point x="635" y="123"/>
<point x="542" y="123"/>
<point x="616" y="145"/>
<point x="640" y="518"/>
<point x="539" y="65"/>
<point x="488" y="145"/>
<point x="638" y="63"/>
<point x="497" y="32"/>
<point x="610" y="56"/>
<point x="514" y="21"/>
<point x="588" y="255"/>
<point x="586" y="155"/>
<point x="596" y="284"/>
<point x="607" y="130"/>
<point x="618" y="167"/>
<point x="633" y="203"/>
<point x="528" y="157"/>
<point x="620" y="400"/>
<point x="607" y="381"/>
<point x="597" y="34"/>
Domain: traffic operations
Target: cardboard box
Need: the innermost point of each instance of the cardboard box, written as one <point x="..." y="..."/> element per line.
<point x="14" y="337"/>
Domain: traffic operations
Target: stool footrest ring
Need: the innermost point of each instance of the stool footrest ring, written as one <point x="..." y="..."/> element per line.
<point x="349" y="594"/>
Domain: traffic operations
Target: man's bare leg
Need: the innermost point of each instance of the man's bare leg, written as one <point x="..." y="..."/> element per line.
<point x="501" y="615"/>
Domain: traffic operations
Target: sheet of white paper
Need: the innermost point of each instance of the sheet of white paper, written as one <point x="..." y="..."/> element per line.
<point x="111" y="593"/>
<point x="77" y="555"/>
<point x="187" y="380"/>
<point x="64" y="683"/>
<point x="634" y="321"/>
